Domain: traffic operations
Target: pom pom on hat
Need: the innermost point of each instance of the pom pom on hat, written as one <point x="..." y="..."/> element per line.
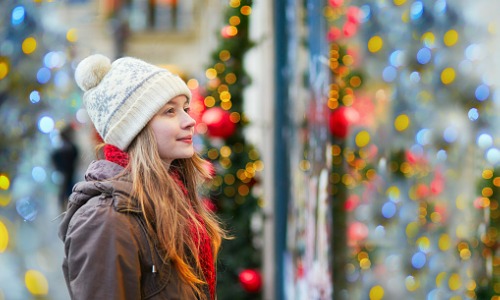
<point x="91" y="71"/>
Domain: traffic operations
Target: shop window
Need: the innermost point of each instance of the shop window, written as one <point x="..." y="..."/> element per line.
<point x="161" y="15"/>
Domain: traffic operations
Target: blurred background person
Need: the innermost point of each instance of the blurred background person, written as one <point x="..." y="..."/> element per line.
<point x="65" y="160"/>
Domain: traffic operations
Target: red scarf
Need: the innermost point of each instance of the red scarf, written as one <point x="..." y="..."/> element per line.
<point x="200" y="235"/>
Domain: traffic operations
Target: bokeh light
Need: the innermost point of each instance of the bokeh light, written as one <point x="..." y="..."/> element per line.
<point x="377" y="293"/>
<point x="375" y="44"/>
<point x="72" y="35"/>
<point x="35" y="97"/>
<point x="43" y="75"/>
<point x="36" y="283"/>
<point x="418" y="260"/>
<point x="424" y="56"/>
<point x="362" y="138"/>
<point x="4" y="69"/>
<point x="450" y="38"/>
<point x="29" y="45"/>
<point x="484" y="141"/>
<point x="18" y="14"/>
<point x="4" y="182"/>
<point x="389" y="74"/>
<point x="27" y="208"/>
<point x="448" y="76"/>
<point x="417" y="9"/>
<point x="4" y="237"/>
<point x="482" y="92"/>
<point x="473" y="114"/>
<point x="46" y="124"/>
<point x="402" y="122"/>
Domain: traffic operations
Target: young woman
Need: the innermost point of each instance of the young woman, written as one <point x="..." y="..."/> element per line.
<point x="135" y="228"/>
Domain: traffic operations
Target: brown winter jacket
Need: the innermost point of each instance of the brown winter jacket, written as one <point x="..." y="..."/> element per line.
<point x="108" y="253"/>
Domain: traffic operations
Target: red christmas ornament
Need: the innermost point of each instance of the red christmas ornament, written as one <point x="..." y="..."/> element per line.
<point x="336" y="3"/>
<point x="340" y="120"/>
<point x="218" y="122"/>
<point x="333" y="34"/>
<point x="357" y="232"/>
<point x="250" y="280"/>
<point x="354" y="14"/>
<point x="349" y="29"/>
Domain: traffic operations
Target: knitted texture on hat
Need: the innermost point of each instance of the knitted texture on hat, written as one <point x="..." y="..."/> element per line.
<point x="122" y="97"/>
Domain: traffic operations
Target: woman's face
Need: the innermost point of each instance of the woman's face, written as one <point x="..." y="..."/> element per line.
<point x="173" y="128"/>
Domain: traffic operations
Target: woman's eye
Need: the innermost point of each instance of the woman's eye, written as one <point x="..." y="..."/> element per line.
<point x="187" y="109"/>
<point x="170" y="111"/>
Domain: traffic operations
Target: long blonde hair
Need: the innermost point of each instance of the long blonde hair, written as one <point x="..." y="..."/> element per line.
<point x="168" y="211"/>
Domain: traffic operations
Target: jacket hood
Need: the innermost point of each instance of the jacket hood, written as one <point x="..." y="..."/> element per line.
<point x="101" y="179"/>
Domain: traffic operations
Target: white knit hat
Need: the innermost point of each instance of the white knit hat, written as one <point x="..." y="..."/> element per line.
<point x="122" y="97"/>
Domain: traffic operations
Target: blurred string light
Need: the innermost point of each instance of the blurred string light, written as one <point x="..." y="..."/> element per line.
<point x="4" y="69"/>
<point x="484" y="141"/>
<point x="440" y="7"/>
<point x="4" y="182"/>
<point x="54" y="59"/>
<point x="4" y="237"/>
<point x="365" y="13"/>
<point x="43" y="75"/>
<point x="18" y="14"/>
<point x="424" y="56"/>
<point x="72" y="35"/>
<point x="35" y="97"/>
<point x="46" y="124"/>
<point x="473" y="114"/>
<point x="389" y="74"/>
<point x="36" y="283"/>
<point x="417" y="10"/>
<point x="29" y="45"/>
<point x="482" y="92"/>
<point x="27" y="208"/>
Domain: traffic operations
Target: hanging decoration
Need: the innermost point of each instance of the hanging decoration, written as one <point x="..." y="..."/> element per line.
<point x="251" y="280"/>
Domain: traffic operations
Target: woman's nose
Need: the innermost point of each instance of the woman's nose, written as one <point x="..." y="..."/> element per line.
<point x="189" y="121"/>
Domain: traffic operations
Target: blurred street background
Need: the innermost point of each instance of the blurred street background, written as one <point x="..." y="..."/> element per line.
<point x="356" y="143"/>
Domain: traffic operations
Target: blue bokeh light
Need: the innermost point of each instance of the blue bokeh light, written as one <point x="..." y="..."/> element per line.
<point x="38" y="174"/>
<point x="61" y="79"/>
<point x="473" y="114"/>
<point x="440" y="7"/>
<point x="389" y="209"/>
<point x="442" y="155"/>
<point x="35" y="97"/>
<point x="396" y="58"/>
<point x="43" y="75"/>
<point x="424" y="56"/>
<point x="450" y="134"/>
<point x="418" y="260"/>
<point x="484" y="141"/>
<point x="423" y="137"/>
<point x="389" y="74"/>
<point x="493" y="156"/>
<point x="366" y="13"/>
<point x="482" y="92"/>
<point x="27" y="209"/>
<point x="18" y="14"/>
<point x="416" y="10"/>
<point x="54" y="59"/>
<point x="46" y="124"/>
<point x="415" y="77"/>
